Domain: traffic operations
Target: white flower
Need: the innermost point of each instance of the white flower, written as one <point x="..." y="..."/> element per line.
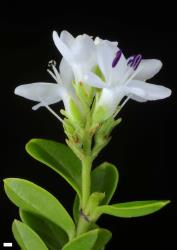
<point x="49" y="93"/>
<point x="79" y="52"/>
<point x="124" y="77"/>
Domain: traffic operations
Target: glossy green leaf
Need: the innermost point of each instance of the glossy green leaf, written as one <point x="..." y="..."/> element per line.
<point x="26" y="237"/>
<point x="52" y="235"/>
<point x="104" y="180"/>
<point x="30" y="197"/>
<point x="92" y="240"/>
<point x="103" y="238"/>
<point x="58" y="157"/>
<point x="132" y="209"/>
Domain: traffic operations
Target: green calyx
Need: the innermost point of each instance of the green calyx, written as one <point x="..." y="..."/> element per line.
<point x="76" y="116"/>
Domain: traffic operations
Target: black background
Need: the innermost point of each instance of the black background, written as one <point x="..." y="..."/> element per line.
<point x="143" y="147"/>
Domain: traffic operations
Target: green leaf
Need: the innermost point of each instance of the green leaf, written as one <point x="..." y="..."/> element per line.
<point x="92" y="240"/>
<point x="104" y="179"/>
<point x="26" y="237"/>
<point x="52" y="235"/>
<point x="103" y="237"/>
<point x="60" y="158"/>
<point x="30" y="197"/>
<point x="132" y="209"/>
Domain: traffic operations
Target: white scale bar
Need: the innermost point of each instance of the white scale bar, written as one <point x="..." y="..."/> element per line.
<point x="7" y="244"/>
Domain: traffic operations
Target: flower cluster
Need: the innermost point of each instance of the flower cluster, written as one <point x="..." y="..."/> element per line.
<point x="94" y="82"/>
<point x="100" y="66"/>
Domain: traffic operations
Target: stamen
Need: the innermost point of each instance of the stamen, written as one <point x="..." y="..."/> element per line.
<point x="125" y="101"/>
<point x="52" y="74"/>
<point x="122" y="105"/>
<point x="52" y="63"/>
<point x="117" y="58"/>
<point x="55" y="75"/>
<point x="137" y="61"/>
<point x="132" y="76"/>
<point x="127" y="74"/>
<point x="51" y="110"/>
<point x="134" y="61"/>
<point x="130" y="60"/>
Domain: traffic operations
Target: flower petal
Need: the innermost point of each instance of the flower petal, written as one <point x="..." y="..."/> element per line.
<point x="109" y="100"/>
<point x="98" y="40"/>
<point x="94" y="81"/>
<point x="137" y="98"/>
<point x="83" y="49"/>
<point x="147" y="91"/>
<point x="62" y="47"/>
<point x="148" y="69"/>
<point x="66" y="72"/>
<point x="106" y="52"/>
<point x="79" y="52"/>
<point x="48" y="92"/>
<point x="67" y="38"/>
<point x="37" y="106"/>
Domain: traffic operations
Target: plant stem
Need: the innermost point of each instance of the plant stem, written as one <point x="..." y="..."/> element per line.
<point x="82" y="226"/>
<point x="87" y="159"/>
<point x="86" y="182"/>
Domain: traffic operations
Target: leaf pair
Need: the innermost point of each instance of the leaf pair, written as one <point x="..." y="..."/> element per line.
<point x="62" y="160"/>
<point x="28" y="239"/>
<point x="104" y="179"/>
<point x="47" y="222"/>
<point x="34" y="199"/>
<point x="41" y="224"/>
<point x="41" y="211"/>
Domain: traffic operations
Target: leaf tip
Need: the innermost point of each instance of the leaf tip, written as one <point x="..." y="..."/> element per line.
<point x="166" y="202"/>
<point x="15" y="225"/>
<point x="15" y="222"/>
<point x="7" y="180"/>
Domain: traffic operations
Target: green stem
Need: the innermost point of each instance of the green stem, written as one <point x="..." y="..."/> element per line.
<point x="82" y="226"/>
<point x="87" y="159"/>
<point x="86" y="182"/>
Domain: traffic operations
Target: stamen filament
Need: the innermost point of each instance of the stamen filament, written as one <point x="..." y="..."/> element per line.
<point x="51" y="110"/>
<point x="125" y="101"/>
<point x="52" y="74"/>
<point x="57" y="74"/>
<point x="122" y="105"/>
<point x="132" y="76"/>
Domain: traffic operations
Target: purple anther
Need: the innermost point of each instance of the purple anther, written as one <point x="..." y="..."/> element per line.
<point x="117" y="58"/>
<point x="134" y="61"/>
<point x="130" y="60"/>
<point x="137" y="61"/>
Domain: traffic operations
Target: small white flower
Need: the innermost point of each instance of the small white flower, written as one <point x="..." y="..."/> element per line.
<point x="50" y="93"/>
<point x="79" y="52"/>
<point x="124" y="77"/>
